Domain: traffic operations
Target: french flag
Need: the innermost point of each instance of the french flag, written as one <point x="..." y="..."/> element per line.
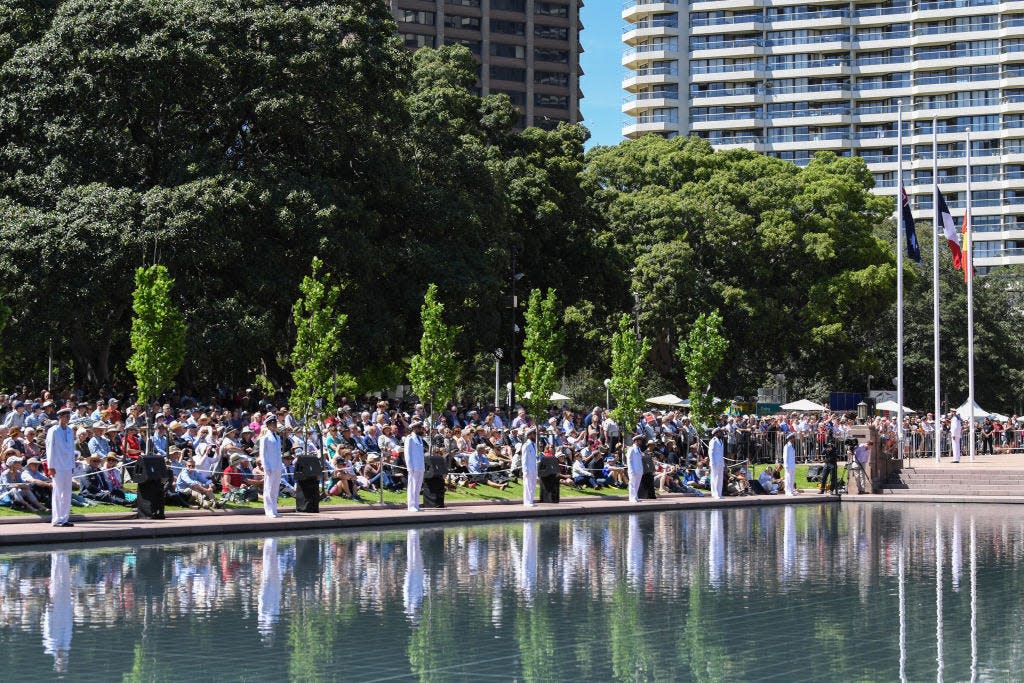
<point x="945" y="219"/>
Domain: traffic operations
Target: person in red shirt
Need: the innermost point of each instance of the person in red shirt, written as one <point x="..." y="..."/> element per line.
<point x="131" y="445"/>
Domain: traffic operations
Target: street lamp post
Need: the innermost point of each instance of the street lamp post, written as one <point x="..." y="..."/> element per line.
<point x="497" y="378"/>
<point x="607" y="395"/>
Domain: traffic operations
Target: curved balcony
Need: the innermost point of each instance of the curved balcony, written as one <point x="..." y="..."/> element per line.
<point x="634" y="10"/>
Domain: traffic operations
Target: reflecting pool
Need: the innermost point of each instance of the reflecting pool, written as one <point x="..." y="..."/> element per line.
<point x="832" y="592"/>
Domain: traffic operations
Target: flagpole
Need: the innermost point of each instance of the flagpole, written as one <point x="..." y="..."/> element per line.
<point x="899" y="278"/>
<point x="969" y="270"/>
<point x="936" y="434"/>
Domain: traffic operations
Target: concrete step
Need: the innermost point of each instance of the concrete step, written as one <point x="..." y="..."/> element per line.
<point x="955" y="480"/>
<point x="956" y="492"/>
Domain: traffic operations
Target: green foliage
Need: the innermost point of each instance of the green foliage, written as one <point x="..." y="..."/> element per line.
<point x="702" y="353"/>
<point x="315" y="356"/>
<point x="628" y="355"/>
<point x="542" y="352"/>
<point x="158" y="333"/>
<point x="434" y="371"/>
<point x="788" y="255"/>
<point x="998" y="319"/>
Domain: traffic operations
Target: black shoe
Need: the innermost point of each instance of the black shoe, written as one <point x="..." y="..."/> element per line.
<point x="66" y="524"/>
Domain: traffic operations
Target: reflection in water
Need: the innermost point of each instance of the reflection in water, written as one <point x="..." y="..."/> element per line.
<point x="716" y="595"/>
<point x="59" y="618"/>
<point x="716" y="549"/>
<point x="269" y="607"/>
<point x="788" y="545"/>
<point x="412" y="593"/>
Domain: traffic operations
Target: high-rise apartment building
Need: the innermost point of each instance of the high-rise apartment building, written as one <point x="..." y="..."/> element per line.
<point x="789" y="78"/>
<point x="528" y="49"/>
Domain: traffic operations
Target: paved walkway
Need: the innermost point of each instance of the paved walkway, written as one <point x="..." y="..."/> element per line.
<point x="1003" y="461"/>
<point x="115" y="527"/>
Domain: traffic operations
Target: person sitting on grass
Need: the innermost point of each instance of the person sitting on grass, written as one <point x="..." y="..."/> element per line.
<point x="479" y="466"/>
<point x="40" y="485"/>
<point x="375" y="474"/>
<point x="14" y="492"/>
<point x="581" y="476"/>
<point x="193" y="487"/>
<point x="288" y="475"/>
<point x="237" y="482"/>
<point x="614" y="473"/>
<point x="113" y="482"/>
<point x="343" y="477"/>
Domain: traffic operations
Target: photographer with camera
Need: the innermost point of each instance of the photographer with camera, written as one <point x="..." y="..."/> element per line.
<point x="830" y="454"/>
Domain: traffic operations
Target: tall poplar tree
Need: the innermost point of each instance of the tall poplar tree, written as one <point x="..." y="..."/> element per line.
<point x="628" y="354"/>
<point x="158" y="335"/>
<point x="434" y="371"/>
<point x="542" y="352"/>
<point x="318" y="327"/>
<point x="702" y="353"/>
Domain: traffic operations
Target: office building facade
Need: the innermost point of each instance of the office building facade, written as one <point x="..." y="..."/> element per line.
<point x="527" y="49"/>
<point x="792" y="78"/>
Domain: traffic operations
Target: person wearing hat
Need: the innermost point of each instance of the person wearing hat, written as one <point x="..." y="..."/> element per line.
<point x="13" y="490"/>
<point x="288" y="475"/>
<point x="14" y="441"/>
<point x="414" y="463"/>
<point x="194" y="487"/>
<point x="789" y="464"/>
<point x="716" y="450"/>
<point x="956" y="432"/>
<point x="60" y="462"/>
<point x="530" y="466"/>
<point x="98" y="442"/>
<point x="273" y="466"/>
<point x="635" y="466"/>
<point x="112" y="480"/>
<point x="40" y="484"/>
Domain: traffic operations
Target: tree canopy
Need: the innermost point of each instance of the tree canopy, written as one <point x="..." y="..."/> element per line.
<point x="235" y="141"/>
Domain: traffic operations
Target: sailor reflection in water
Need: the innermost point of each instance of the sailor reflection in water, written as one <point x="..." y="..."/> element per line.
<point x="635" y="553"/>
<point x="412" y="592"/>
<point x="788" y="543"/>
<point x="270" y="590"/>
<point x="716" y="549"/>
<point x="59" y="618"/>
<point x="528" y="563"/>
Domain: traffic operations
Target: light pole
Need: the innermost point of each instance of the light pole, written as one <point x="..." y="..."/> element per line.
<point x="515" y="277"/>
<point x="497" y="378"/>
<point x="607" y="395"/>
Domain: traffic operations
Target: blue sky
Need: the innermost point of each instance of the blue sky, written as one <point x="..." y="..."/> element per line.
<point x="601" y="62"/>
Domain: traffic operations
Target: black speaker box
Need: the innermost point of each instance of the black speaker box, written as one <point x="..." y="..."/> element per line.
<point x="308" y="467"/>
<point x="307" y="494"/>
<point x="153" y="468"/>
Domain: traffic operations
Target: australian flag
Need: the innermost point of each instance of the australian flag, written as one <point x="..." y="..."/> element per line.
<point x="913" y="248"/>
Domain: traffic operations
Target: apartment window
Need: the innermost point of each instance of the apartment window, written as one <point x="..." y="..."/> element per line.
<point x="473" y="45"/>
<point x="459" y="21"/>
<point x="555" y="78"/>
<point x="510" y="51"/>
<point x="509" y="5"/>
<point x="417" y="40"/>
<point x="551" y="101"/>
<point x="413" y="16"/>
<point x="508" y="73"/>
<point x="518" y="97"/>
<point x="551" y="9"/>
<point x="550" y="32"/>
<point x="463" y="3"/>
<point x="543" y="54"/>
<point x="509" y="28"/>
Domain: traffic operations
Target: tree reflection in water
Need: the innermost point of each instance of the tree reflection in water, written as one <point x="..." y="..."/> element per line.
<point x="800" y="593"/>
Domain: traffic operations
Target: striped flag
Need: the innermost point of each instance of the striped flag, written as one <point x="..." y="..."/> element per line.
<point x="949" y="229"/>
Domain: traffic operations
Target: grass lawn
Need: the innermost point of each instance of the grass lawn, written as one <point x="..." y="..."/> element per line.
<point x="482" y="493"/>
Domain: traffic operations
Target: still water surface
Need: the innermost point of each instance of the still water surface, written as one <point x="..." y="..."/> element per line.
<point x="851" y="592"/>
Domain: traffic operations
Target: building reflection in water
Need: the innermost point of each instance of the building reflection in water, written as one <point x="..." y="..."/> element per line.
<point x="566" y="599"/>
